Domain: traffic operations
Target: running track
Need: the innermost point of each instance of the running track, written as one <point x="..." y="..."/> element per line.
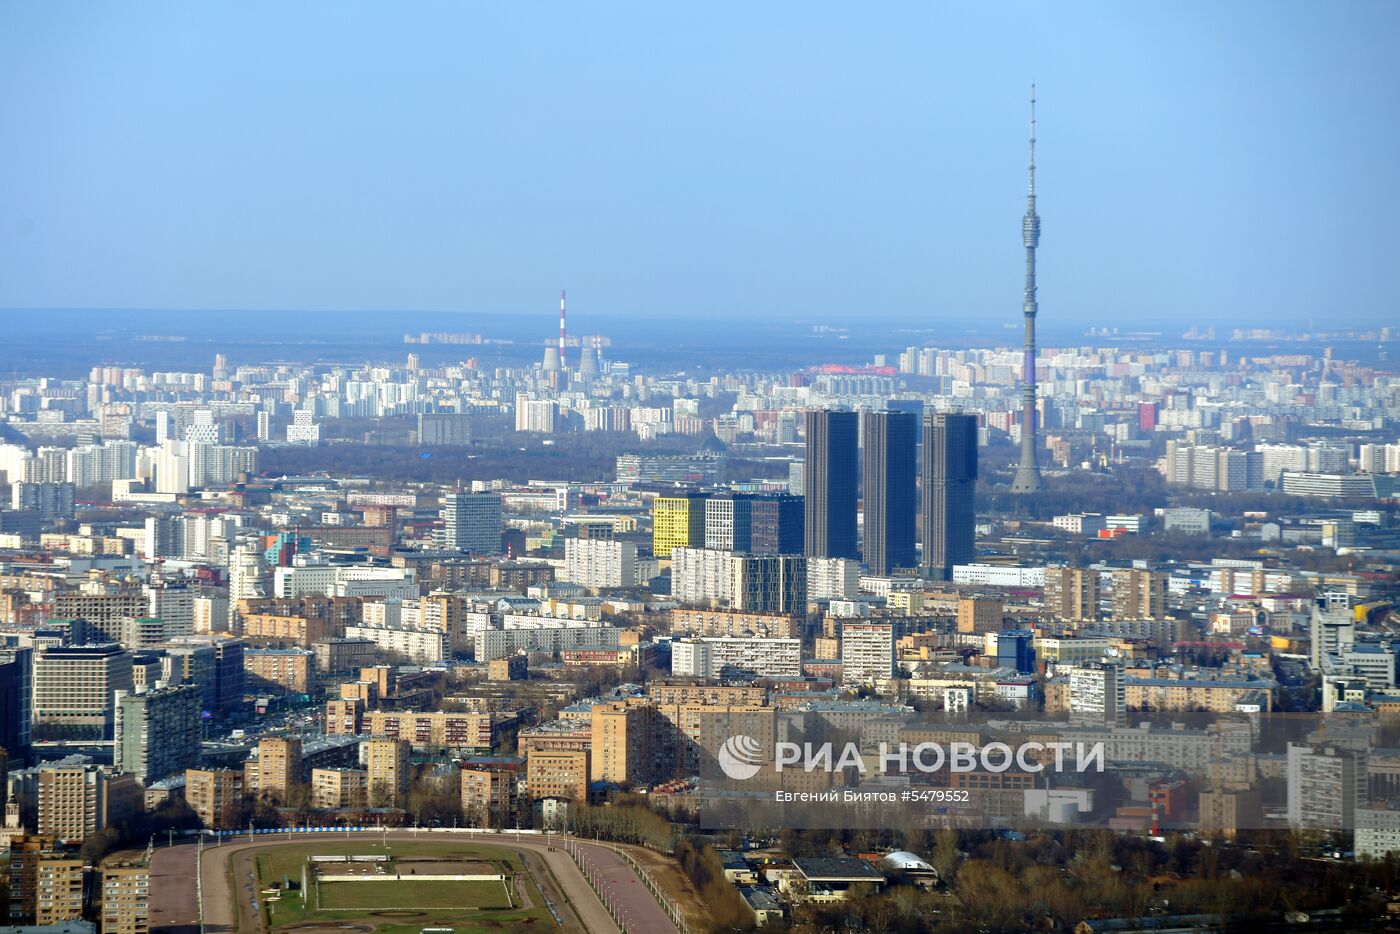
<point x="174" y="905"/>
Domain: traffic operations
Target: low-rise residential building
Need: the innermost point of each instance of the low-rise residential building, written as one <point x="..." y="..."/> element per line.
<point x="216" y="797"/>
<point x="557" y="774"/>
<point x="125" y="894"/>
<point x="277" y="670"/>
<point x="339" y="788"/>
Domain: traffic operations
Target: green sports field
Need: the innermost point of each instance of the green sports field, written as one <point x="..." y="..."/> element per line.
<point x="396" y="907"/>
<point x="431" y="896"/>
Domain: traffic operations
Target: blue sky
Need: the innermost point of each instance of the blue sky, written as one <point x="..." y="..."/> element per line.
<point x="1198" y="161"/>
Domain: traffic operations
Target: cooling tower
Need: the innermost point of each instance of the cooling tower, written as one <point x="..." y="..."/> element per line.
<point x="587" y="362"/>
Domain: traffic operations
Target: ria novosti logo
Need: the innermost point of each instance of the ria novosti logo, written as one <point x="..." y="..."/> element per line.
<point x="741" y="757"/>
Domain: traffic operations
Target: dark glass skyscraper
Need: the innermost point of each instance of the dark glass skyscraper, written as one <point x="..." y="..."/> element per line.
<point x="891" y="498"/>
<point x="950" y="481"/>
<point x="775" y="525"/>
<point x="17" y="704"/>
<point x="831" y="480"/>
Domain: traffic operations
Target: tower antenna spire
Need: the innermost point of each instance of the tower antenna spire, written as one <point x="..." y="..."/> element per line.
<point x="1027" y="479"/>
<point x="1032" y="162"/>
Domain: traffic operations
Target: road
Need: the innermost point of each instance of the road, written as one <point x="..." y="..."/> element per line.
<point x="173" y="903"/>
<point x="173" y="890"/>
<point x="632" y="904"/>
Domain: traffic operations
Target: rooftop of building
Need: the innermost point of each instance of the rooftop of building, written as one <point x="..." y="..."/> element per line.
<point x="836" y="869"/>
<point x="854" y="706"/>
<point x="759" y="897"/>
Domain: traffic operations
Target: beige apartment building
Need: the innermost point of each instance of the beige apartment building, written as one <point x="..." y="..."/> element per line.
<point x="126" y="898"/>
<point x="216" y="796"/>
<point x="73" y="689"/>
<point x="387" y="768"/>
<point x="343" y="717"/>
<point x="277" y="669"/>
<point x="276" y="768"/>
<point x="286" y="631"/>
<point x="976" y="615"/>
<point x="440" y="728"/>
<point x="27" y="854"/>
<point x="622" y="743"/>
<point x="489" y="797"/>
<point x="1171" y="695"/>
<point x="59" y="889"/>
<point x="557" y="774"/>
<point x="76" y="801"/>
<point x="339" y="788"/>
<point x="1071" y="593"/>
<point x="727" y="623"/>
<point x="1139" y="594"/>
<point x="687" y="692"/>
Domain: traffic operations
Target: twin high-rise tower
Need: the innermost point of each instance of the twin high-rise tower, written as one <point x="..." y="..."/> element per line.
<point x="832" y="485"/>
<point x="950" y="482"/>
<point x="890" y="491"/>
<point x="890" y="495"/>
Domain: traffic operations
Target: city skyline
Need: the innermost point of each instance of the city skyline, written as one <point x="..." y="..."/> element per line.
<point x="434" y="589"/>
<point x="788" y="578"/>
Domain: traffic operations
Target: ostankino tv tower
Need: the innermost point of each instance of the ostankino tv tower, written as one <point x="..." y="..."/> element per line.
<point x="1028" y="472"/>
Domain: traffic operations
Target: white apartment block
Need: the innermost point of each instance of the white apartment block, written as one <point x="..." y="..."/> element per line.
<point x="90" y="464"/>
<point x="174" y="605"/>
<point x="1097" y="692"/>
<point x="725" y="657"/>
<point x="190" y="537"/>
<point x="180" y="466"/>
<point x="599" y="564"/>
<point x="1326" y="786"/>
<point x="719" y="523"/>
<point x="702" y="576"/>
<point x="690" y="658"/>
<point x="1186" y="519"/>
<point x="1377" y="832"/>
<point x="832" y="578"/>
<point x="202" y="428"/>
<point x="1378" y="458"/>
<point x="536" y="415"/>
<point x="303" y="429"/>
<point x="422" y="646"/>
<point x="210" y="614"/>
<point x="472" y="522"/>
<point x="304" y="580"/>
<point x="499" y="643"/>
<point x="389" y="583"/>
<point x="994" y="575"/>
<point x="867" y="652"/>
